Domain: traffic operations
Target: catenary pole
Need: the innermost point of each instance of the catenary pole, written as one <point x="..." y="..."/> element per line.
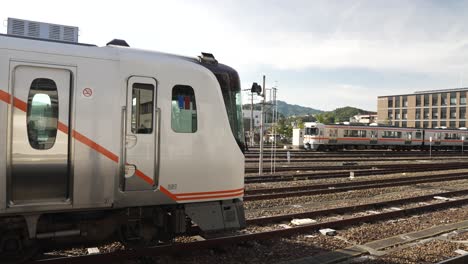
<point x="260" y="160"/>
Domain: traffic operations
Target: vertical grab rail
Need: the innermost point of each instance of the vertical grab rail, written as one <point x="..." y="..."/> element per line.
<point x="123" y="152"/>
<point x="157" y="137"/>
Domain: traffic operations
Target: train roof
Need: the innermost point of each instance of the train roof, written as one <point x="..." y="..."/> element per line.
<point x="114" y="50"/>
<point x="380" y="126"/>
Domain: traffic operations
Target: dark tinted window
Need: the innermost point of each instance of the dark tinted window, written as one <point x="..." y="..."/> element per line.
<point x="435" y="99"/>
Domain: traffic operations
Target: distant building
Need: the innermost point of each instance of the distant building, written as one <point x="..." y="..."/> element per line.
<point x="247" y="116"/>
<point x="363" y="119"/>
<point x="425" y="109"/>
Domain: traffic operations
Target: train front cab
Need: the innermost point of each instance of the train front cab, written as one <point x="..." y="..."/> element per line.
<point x="313" y="137"/>
<point x="68" y="152"/>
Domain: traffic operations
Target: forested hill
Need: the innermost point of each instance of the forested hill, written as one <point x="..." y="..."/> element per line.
<point x="341" y="114"/>
<point x="287" y="110"/>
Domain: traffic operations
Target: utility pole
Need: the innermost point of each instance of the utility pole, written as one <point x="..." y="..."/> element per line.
<point x="260" y="160"/>
<point x="252" y="136"/>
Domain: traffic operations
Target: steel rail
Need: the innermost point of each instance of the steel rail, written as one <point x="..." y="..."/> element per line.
<point x="316" y="160"/>
<point x="364" y="154"/>
<point x="343" y="187"/>
<point x="462" y="259"/>
<point x="350" y="183"/>
<point x="346" y="167"/>
<point x="328" y="175"/>
<point x="352" y="208"/>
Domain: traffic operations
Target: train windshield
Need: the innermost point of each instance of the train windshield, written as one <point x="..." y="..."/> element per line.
<point x="230" y="87"/>
<point x="311" y="131"/>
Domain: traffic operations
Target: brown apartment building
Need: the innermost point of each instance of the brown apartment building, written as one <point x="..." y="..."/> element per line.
<point x="425" y="109"/>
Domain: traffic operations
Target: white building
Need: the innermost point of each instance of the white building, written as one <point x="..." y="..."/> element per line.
<point x="256" y="117"/>
<point x="363" y="119"/>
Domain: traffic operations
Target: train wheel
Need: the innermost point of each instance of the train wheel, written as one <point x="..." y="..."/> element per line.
<point x="136" y="234"/>
<point x="16" y="247"/>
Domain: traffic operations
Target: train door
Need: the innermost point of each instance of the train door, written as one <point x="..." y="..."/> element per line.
<point x="437" y="138"/>
<point x="141" y="135"/>
<point x="332" y="136"/>
<point x="373" y="137"/>
<point x="39" y="154"/>
<point x="408" y="137"/>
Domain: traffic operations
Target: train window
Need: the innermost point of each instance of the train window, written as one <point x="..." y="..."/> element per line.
<point x="451" y="136"/>
<point x="391" y="134"/>
<point x="42" y="113"/>
<point x="142" y="108"/>
<point x="184" y="109"/>
<point x="418" y="134"/>
<point x="312" y="131"/>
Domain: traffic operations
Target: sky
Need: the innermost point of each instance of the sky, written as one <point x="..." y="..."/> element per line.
<point x="320" y="54"/>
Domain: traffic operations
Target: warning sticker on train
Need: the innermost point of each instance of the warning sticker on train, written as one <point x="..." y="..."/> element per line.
<point x="87" y="93"/>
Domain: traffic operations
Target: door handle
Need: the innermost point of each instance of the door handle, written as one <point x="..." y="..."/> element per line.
<point x="130" y="141"/>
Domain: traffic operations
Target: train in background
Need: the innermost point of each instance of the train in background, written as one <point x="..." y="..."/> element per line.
<point x="113" y="143"/>
<point x="321" y="137"/>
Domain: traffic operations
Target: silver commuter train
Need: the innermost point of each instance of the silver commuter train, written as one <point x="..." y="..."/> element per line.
<point x="318" y="136"/>
<point x="98" y="143"/>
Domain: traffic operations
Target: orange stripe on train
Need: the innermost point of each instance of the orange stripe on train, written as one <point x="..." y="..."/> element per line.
<point x="217" y="194"/>
<point x="4" y="96"/>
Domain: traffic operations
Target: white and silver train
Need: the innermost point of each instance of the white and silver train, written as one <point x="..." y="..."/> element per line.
<point x="320" y="137"/>
<point x="98" y="143"/>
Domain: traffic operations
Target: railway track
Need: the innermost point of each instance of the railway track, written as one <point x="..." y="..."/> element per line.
<point x="353" y="155"/>
<point x="316" y="160"/>
<point x="171" y="249"/>
<point x="274" y="193"/>
<point x="283" y="168"/>
<point x="364" y="172"/>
